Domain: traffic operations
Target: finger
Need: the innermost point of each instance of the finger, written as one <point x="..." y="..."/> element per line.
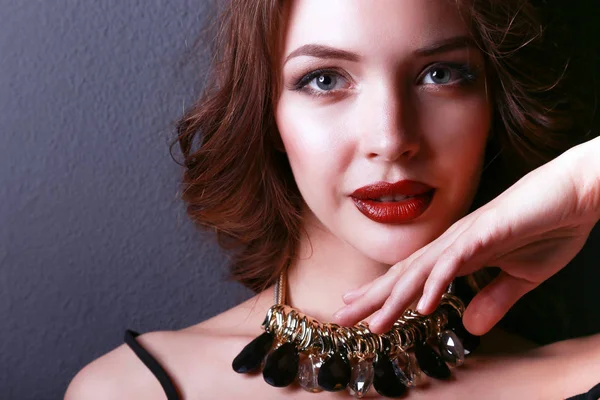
<point x="404" y="292"/>
<point x="493" y="302"/>
<point x="352" y="295"/>
<point x="457" y="261"/>
<point x="395" y="269"/>
<point x="442" y="274"/>
<point x="375" y="295"/>
<point x="410" y="278"/>
<point x="469" y="251"/>
<point x="369" y="302"/>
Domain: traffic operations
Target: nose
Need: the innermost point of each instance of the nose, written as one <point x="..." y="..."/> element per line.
<point x="389" y="126"/>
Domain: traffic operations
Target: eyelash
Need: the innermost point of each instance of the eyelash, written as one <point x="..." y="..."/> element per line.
<point x="467" y="77"/>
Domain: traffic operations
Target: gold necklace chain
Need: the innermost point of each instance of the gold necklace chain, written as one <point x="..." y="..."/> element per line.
<point x="288" y="324"/>
<point x="327" y="356"/>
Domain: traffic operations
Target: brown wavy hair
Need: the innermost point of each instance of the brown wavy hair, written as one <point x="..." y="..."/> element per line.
<point x="238" y="182"/>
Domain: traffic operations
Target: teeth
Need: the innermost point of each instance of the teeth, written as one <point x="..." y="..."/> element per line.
<point x="387" y="199"/>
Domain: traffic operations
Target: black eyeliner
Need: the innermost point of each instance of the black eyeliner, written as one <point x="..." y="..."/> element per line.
<point x="305" y="80"/>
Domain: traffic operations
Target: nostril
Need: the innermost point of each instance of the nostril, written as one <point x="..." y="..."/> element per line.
<point x="386" y="145"/>
<point x="393" y="156"/>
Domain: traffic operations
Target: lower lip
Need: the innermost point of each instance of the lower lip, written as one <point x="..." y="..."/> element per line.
<point x="395" y="212"/>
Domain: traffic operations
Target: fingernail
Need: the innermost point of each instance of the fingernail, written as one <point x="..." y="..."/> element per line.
<point x="375" y="318"/>
<point x="422" y="303"/>
<point x="348" y="295"/>
<point x="340" y="313"/>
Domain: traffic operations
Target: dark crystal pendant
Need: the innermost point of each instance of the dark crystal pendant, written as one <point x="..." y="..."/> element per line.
<point x="430" y="362"/>
<point x="252" y="355"/>
<point x="451" y="348"/>
<point x="469" y="341"/>
<point x="385" y="380"/>
<point x="335" y="372"/>
<point x="281" y="365"/>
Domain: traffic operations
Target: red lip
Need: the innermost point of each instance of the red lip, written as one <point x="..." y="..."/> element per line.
<point x="393" y="211"/>
<point x="381" y="189"/>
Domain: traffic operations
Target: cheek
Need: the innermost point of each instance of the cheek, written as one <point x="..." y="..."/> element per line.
<point x="315" y="144"/>
<point x="458" y="139"/>
<point x="457" y="125"/>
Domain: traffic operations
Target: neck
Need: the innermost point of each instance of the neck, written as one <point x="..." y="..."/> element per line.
<point x="325" y="268"/>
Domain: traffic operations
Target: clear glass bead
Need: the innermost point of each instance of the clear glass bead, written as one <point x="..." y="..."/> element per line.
<point x="361" y="378"/>
<point x="407" y="369"/>
<point x="308" y="372"/>
<point x="451" y="348"/>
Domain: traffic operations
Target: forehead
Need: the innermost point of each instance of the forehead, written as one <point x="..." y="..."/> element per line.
<point x="375" y="28"/>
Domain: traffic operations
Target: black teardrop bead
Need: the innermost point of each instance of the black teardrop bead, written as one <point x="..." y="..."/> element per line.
<point x="430" y="362"/>
<point x="334" y="374"/>
<point x="252" y="355"/>
<point x="469" y="341"/>
<point x="281" y="366"/>
<point x="385" y="380"/>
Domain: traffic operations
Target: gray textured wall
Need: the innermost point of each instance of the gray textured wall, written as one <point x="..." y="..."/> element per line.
<point x="92" y="236"/>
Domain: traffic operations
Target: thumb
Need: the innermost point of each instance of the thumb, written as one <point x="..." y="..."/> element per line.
<point x="493" y="302"/>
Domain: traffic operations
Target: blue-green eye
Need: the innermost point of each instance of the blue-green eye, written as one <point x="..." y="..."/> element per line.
<point x="321" y="81"/>
<point x="326" y="81"/>
<point x="440" y="75"/>
<point x="448" y="74"/>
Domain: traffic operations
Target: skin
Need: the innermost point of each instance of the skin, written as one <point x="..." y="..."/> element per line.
<point x="384" y="116"/>
<point x="532" y="231"/>
<point x="383" y="123"/>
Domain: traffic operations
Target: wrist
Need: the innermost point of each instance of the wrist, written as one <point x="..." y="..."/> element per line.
<point x="584" y="164"/>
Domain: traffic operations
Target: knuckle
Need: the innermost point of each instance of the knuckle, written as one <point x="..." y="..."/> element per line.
<point x="395" y="268"/>
<point x="436" y="279"/>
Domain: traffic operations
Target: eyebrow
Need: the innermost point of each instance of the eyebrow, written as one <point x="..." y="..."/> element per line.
<point x="322" y="51"/>
<point x="327" y="52"/>
<point x="445" y="45"/>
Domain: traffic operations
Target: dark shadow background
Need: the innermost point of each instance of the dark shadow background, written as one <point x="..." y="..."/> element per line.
<point x="93" y="238"/>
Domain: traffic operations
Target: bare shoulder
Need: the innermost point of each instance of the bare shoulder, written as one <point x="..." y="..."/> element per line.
<point x="191" y="357"/>
<point x="119" y="374"/>
<point x="244" y="319"/>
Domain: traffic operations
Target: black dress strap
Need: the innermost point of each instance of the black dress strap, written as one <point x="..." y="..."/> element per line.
<point x="592" y="394"/>
<point x="152" y="365"/>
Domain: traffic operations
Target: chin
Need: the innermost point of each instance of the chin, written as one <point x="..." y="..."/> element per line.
<point x="390" y="244"/>
<point x="390" y="248"/>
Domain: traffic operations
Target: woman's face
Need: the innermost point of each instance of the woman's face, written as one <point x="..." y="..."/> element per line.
<point x="377" y="92"/>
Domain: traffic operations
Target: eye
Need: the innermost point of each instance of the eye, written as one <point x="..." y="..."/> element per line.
<point x="439" y="75"/>
<point x="326" y="81"/>
<point x="321" y="82"/>
<point x="449" y="74"/>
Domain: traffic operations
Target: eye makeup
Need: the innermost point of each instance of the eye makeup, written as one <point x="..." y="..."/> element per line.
<point x="461" y="74"/>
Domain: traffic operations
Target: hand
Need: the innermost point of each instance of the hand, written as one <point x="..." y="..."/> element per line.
<point x="531" y="231"/>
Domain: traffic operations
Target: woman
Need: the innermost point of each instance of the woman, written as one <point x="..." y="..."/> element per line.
<point x="338" y="139"/>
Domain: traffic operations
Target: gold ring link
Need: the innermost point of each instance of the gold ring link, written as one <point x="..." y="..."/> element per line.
<point x="288" y="324"/>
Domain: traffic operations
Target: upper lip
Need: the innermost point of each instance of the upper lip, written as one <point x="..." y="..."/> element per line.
<point x="382" y="189"/>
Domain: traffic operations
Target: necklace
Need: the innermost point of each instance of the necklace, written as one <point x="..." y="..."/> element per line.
<point x="330" y="357"/>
